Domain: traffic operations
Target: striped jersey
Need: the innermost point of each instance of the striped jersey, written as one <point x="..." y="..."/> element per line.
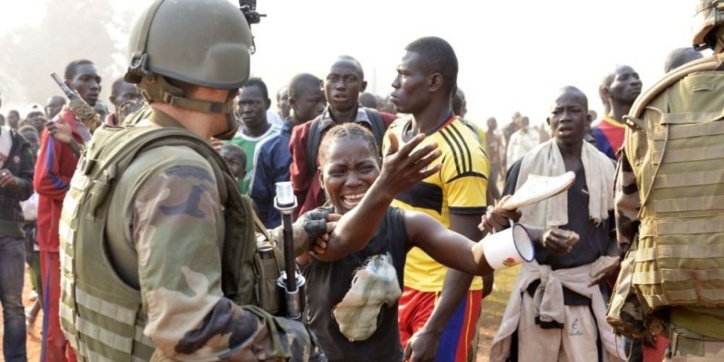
<point x="458" y="188"/>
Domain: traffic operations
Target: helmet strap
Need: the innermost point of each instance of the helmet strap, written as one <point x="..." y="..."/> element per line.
<point x="155" y="88"/>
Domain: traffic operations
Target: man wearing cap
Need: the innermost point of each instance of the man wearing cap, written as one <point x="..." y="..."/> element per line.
<point x="35" y="116"/>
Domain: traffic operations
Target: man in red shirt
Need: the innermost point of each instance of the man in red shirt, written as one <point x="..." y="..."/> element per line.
<point x="342" y="87"/>
<point x="619" y="90"/>
<point x="57" y="160"/>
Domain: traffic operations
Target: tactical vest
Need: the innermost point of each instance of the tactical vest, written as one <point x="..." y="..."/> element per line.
<point x="101" y="315"/>
<point x="675" y="145"/>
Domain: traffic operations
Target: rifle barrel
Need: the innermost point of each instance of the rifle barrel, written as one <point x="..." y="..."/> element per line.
<point x="289" y="264"/>
<point x="68" y="92"/>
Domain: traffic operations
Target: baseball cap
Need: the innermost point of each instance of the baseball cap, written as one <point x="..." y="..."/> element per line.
<point x="35" y="108"/>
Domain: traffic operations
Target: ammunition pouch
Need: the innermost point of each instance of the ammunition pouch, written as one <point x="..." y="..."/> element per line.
<point x="267" y="268"/>
<point x="624" y="312"/>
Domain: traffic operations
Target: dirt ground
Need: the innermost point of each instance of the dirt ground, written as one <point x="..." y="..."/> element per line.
<point x="493" y="308"/>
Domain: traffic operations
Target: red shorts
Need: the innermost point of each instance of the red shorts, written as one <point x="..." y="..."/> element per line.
<point x="416" y="308"/>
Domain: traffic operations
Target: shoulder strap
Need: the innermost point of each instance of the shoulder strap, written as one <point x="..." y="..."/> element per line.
<point x="314" y="136"/>
<point x="113" y="149"/>
<point x="378" y="125"/>
<point x="713" y="62"/>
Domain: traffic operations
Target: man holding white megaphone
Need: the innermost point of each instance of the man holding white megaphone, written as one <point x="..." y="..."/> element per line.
<point x="557" y="306"/>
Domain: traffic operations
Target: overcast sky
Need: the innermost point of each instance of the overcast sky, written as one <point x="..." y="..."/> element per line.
<point x="512" y="54"/>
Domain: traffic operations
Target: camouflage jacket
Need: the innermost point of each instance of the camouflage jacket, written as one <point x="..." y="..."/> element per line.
<point x="628" y="204"/>
<point x="174" y="224"/>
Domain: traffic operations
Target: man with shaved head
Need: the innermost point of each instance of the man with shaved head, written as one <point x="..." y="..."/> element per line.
<point x="557" y="311"/>
<point x="679" y="57"/>
<point x="122" y="93"/>
<point x="368" y="100"/>
<point x="53" y="106"/>
<point x="618" y="90"/>
<point x="342" y="87"/>
<point x="273" y="159"/>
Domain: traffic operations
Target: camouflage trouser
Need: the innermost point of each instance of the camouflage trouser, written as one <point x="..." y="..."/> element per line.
<point x="695" y="350"/>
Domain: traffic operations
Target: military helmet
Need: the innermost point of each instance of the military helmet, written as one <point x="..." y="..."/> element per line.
<point x="708" y="19"/>
<point x="201" y="42"/>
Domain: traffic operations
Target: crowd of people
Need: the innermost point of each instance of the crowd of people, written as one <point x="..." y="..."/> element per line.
<point x="139" y="228"/>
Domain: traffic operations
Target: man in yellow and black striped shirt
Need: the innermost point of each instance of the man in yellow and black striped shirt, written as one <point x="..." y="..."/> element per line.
<point x="455" y="196"/>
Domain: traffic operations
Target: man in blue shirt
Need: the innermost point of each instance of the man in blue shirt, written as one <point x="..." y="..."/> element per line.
<point x="273" y="158"/>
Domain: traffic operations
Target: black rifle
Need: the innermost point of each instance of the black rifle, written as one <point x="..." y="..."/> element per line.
<point x="291" y="282"/>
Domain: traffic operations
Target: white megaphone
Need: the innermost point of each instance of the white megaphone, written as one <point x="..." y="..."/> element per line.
<point x="513" y="245"/>
<point x="508" y="247"/>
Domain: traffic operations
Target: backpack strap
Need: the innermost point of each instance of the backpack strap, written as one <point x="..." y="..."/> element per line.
<point x="378" y="125"/>
<point x="110" y="153"/>
<point x="314" y="137"/>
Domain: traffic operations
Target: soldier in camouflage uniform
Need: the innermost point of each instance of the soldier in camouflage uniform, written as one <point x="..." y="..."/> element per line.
<point x="153" y="285"/>
<point x="667" y="210"/>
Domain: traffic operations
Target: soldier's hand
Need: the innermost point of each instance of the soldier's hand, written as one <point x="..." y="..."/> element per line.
<point x="314" y="222"/>
<point x="317" y="224"/>
<point x="318" y="246"/>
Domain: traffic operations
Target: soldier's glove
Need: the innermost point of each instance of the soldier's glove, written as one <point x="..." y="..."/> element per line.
<point x="314" y="223"/>
<point x="306" y="229"/>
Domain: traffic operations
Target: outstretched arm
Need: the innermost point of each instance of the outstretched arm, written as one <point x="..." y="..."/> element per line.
<point x="447" y="247"/>
<point x="401" y="170"/>
<point x="452" y="250"/>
